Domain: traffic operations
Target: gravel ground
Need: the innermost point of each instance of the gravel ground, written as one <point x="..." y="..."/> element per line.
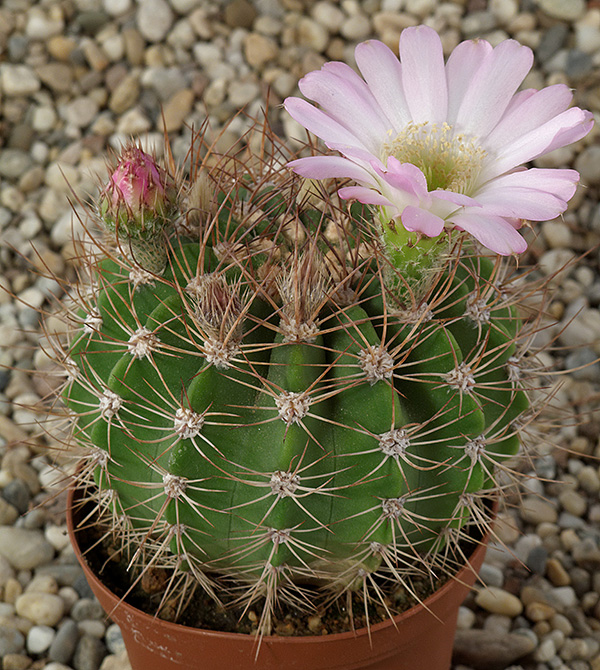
<point x="79" y="76"/>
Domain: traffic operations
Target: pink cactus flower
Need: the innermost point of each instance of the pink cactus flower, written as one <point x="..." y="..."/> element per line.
<point x="442" y="145"/>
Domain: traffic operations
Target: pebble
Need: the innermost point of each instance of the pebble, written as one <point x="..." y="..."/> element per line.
<point x="498" y="601"/>
<point x="565" y="10"/>
<point x="63" y="646"/>
<point x="11" y="641"/>
<point x="534" y="510"/>
<point x="24" y="549"/>
<point x="40" y="608"/>
<point x="88" y="654"/>
<point x="39" y="639"/>
<point x="18" y="80"/>
<point x="154" y="19"/>
<point x="486" y="650"/>
<point x="588" y="165"/>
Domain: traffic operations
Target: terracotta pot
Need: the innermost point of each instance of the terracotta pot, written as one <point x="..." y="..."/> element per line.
<point x="421" y="637"/>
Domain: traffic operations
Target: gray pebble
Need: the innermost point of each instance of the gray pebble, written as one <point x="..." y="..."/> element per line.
<point x="14" y="163"/>
<point x="552" y="41"/>
<point x="537" y="559"/>
<point x="24" y="549"/>
<point x="114" y="638"/>
<point x="17" y="494"/>
<point x="89" y="653"/>
<point x="87" y="608"/>
<point x="11" y="641"/>
<point x="65" y="642"/>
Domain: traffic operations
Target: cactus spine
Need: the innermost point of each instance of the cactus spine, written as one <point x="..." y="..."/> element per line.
<point x="265" y="412"/>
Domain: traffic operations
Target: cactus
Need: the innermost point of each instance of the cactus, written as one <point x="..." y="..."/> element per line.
<point x="273" y="404"/>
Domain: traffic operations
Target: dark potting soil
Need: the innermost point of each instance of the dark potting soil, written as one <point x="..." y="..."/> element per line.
<point x="147" y="593"/>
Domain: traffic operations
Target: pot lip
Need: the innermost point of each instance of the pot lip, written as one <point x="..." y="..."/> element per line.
<point x="169" y="627"/>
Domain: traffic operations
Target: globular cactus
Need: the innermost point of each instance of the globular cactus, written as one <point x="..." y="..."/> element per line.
<point x="262" y="407"/>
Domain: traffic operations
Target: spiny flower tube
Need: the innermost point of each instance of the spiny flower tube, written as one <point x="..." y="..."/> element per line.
<point x="439" y="146"/>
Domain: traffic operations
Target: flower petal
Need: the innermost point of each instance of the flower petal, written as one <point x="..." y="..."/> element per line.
<point x="522" y="203"/>
<point x="365" y="195"/>
<point x="424" y="74"/>
<point x="321" y="124"/>
<point x="420" y="220"/>
<point x="346" y="98"/>
<point x="463" y="63"/>
<point x="568" y="127"/>
<point x="533" y="111"/>
<point x="383" y="73"/>
<point x="492" y="87"/>
<point x="494" y="232"/>
<point x="561" y="183"/>
<point x="334" y="167"/>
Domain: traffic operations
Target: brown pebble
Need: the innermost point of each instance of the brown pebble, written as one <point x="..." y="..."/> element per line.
<point x="539" y="611"/>
<point x="557" y="573"/>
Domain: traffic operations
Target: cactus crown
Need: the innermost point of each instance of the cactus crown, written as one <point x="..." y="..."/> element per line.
<point x="274" y="405"/>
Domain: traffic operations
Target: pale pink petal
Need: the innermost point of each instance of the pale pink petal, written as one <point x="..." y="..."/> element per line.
<point x="522" y="203"/>
<point x="561" y="183"/>
<point x="383" y="73"/>
<point x="330" y="167"/>
<point x="424" y="74"/>
<point x="322" y="125"/>
<point x="462" y="65"/>
<point x="404" y="177"/>
<point x="366" y="195"/>
<point x="494" y="232"/>
<point x="459" y="199"/>
<point x="492" y="87"/>
<point x="533" y="111"/>
<point x="348" y="100"/>
<point x="420" y="220"/>
<point x="568" y="127"/>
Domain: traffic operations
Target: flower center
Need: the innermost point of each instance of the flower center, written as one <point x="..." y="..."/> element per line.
<point x="448" y="161"/>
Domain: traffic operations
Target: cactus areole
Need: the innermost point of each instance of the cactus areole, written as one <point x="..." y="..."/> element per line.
<point x="279" y="409"/>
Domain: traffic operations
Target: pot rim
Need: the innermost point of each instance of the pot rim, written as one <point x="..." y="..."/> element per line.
<point x="456" y="580"/>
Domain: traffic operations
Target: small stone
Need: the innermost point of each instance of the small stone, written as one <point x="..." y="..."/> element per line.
<point x="356" y="27"/>
<point x="125" y="94"/>
<point x="563" y="597"/>
<point x="64" y="644"/>
<point x="87" y="608"/>
<point x="537" y="559"/>
<point x="16" y="662"/>
<point x="116" y="662"/>
<point x="11" y="641"/>
<point x="57" y="76"/>
<point x="89" y="653"/>
<point x="311" y="34"/>
<point x="14" y="163"/>
<point x="114" y="639"/>
<point x="481" y="649"/>
<point x="18" y="80"/>
<point x="539" y="611"/>
<point x="116" y="7"/>
<point x="499" y="601"/>
<point x="557" y="573"/>
<point x="177" y="110"/>
<point x="39" y="639"/>
<point x="81" y="111"/>
<point x="573" y="502"/>
<point x="44" y="609"/>
<point x="17" y="494"/>
<point x="491" y="575"/>
<point x="259" y="50"/>
<point x="587" y="164"/>
<point x="24" y="549"/>
<point x="545" y="651"/>
<point x="565" y="10"/>
<point x="329" y="15"/>
<point x="239" y="14"/>
<point x="535" y="510"/>
<point x="154" y="19"/>
<point x="557" y="234"/>
<point x="466" y="618"/>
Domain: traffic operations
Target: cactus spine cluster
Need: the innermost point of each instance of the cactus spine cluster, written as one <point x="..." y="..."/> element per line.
<point x="261" y="407"/>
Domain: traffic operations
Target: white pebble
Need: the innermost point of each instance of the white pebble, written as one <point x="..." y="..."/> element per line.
<point x="39" y="639"/>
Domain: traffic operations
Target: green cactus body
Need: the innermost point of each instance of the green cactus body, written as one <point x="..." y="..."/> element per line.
<point x="263" y="437"/>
